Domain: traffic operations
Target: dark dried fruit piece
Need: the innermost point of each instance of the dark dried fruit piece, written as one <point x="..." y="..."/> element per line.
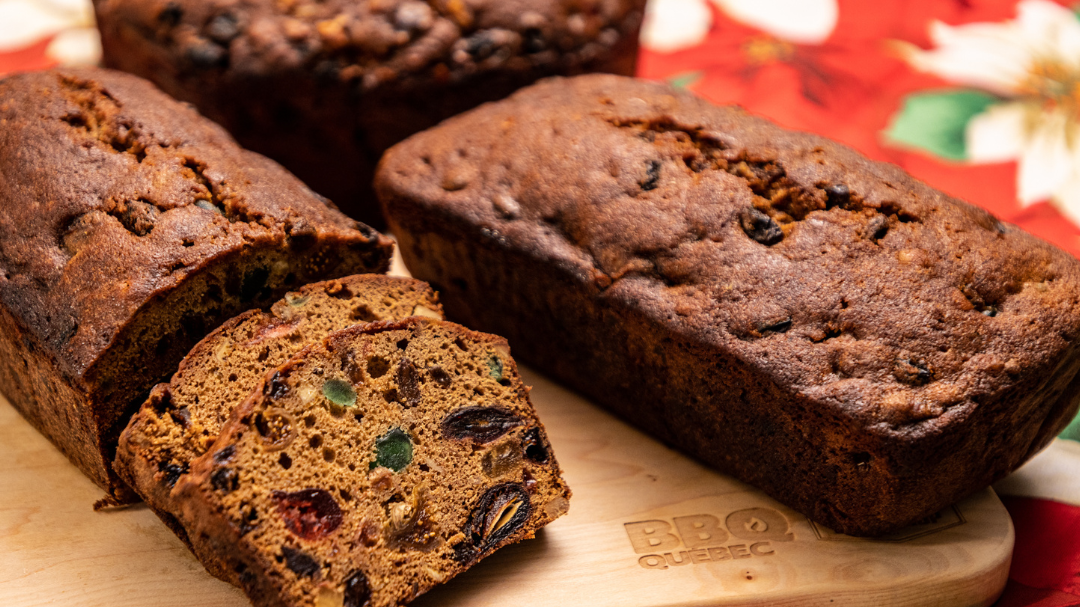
<point x="357" y="590"/>
<point x="222" y="28"/>
<point x="408" y="383"/>
<point x="439" y="376"/>
<point x="912" y="371"/>
<point x="535" y="447"/>
<point x="837" y="194"/>
<point x="181" y="416"/>
<point x="170" y="473"/>
<point x="225" y="454"/>
<point x="300" y="563"/>
<point x="310" y="513"/>
<point x="339" y="392"/>
<point x="878" y="227"/>
<point x="760" y="226"/>
<point x="276" y="428"/>
<point x="500" y="513"/>
<point x="277" y="388"/>
<point x="393" y="450"/>
<point x="225" y="480"/>
<point x="652" y="176"/>
<point x="479" y="424"/>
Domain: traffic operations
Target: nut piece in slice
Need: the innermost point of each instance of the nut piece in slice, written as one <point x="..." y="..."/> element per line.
<point x="182" y="418"/>
<point x="370" y="467"/>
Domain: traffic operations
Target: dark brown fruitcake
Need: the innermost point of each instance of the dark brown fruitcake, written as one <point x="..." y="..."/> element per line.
<point x="130" y="227"/>
<point x="325" y="86"/>
<point x="862" y="347"/>
<point x="182" y="418"/>
<point x="373" y="466"/>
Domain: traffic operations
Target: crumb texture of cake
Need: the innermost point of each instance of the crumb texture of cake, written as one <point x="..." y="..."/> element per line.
<point x="325" y="87"/>
<point x="182" y="418"/>
<point x="373" y="466"/>
<point x="131" y="227"/>
<point x="864" y="348"/>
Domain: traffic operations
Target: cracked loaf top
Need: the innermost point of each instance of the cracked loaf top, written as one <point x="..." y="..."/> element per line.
<point x="378" y="41"/>
<point x="113" y="193"/>
<point x="842" y="279"/>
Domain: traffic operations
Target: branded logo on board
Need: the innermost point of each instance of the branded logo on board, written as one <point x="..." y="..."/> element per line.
<point x="746" y="533"/>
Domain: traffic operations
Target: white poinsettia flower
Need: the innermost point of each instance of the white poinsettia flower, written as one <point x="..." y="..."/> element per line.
<point x="1033" y="63"/>
<point x="70" y="22"/>
<point x="671" y="25"/>
<point x="799" y="21"/>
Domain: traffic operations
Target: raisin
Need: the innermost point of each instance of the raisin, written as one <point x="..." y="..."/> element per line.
<point x="878" y="227"/>
<point x="440" y="376"/>
<point x="776" y="327"/>
<point x="352" y="369"/>
<point x="170" y="473"/>
<point x="837" y="194"/>
<point x="535" y="449"/>
<point x="339" y="392"/>
<point x="223" y="28"/>
<point x="310" y="513"/>
<point x="357" y="590"/>
<point x="532" y="40"/>
<point x="139" y="217"/>
<point x="479" y="424"/>
<point x="408" y="383"/>
<point x="501" y="512"/>
<point x="300" y="563"/>
<point x="912" y="371"/>
<point x="276" y="428"/>
<point x="652" y="176"/>
<point x="393" y="450"/>
<point x="181" y="416"/>
<point x="207" y="55"/>
<point x="171" y="14"/>
<point x="990" y="311"/>
<point x="760" y="226"/>
<point x="277" y="387"/>
<point x="480" y="45"/>
<point x="225" y="480"/>
<point x="224" y="455"/>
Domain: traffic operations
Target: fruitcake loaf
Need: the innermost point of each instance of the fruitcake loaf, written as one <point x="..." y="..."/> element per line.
<point x="372" y="466"/>
<point x="130" y="227"/>
<point x="862" y="347"/>
<point x="325" y="87"/>
<point x="182" y="418"/>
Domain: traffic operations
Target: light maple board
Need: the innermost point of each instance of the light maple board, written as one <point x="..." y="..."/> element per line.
<point x="620" y="545"/>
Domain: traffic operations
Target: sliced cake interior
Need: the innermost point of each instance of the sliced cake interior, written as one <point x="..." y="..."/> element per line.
<point x="182" y="418"/>
<point x="373" y="466"/>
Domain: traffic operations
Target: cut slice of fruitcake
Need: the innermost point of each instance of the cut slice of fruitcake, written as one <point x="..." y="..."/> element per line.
<point x="372" y="466"/>
<point x="181" y="419"/>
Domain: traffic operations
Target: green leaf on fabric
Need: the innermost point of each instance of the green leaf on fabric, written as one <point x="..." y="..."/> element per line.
<point x="1072" y="431"/>
<point x="936" y="121"/>
<point x="685" y="79"/>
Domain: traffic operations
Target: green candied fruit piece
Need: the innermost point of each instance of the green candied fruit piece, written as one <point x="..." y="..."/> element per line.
<point x="495" y="366"/>
<point x="339" y="392"/>
<point x="295" y="300"/>
<point x="393" y="450"/>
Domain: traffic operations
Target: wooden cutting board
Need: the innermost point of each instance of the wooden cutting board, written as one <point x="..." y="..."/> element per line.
<point x="647" y="527"/>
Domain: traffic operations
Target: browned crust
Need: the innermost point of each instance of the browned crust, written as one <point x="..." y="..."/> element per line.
<point x="326" y="87"/>
<point x="124" y="208"/>
<point x="656" y="303"/>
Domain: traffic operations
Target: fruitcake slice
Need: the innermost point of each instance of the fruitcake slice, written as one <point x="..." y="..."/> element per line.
<point x="372" y="466"/>
<point x="182" y="418"/>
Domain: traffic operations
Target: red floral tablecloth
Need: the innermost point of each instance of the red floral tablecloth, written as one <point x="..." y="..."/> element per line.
<point x="979" y="98"/>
